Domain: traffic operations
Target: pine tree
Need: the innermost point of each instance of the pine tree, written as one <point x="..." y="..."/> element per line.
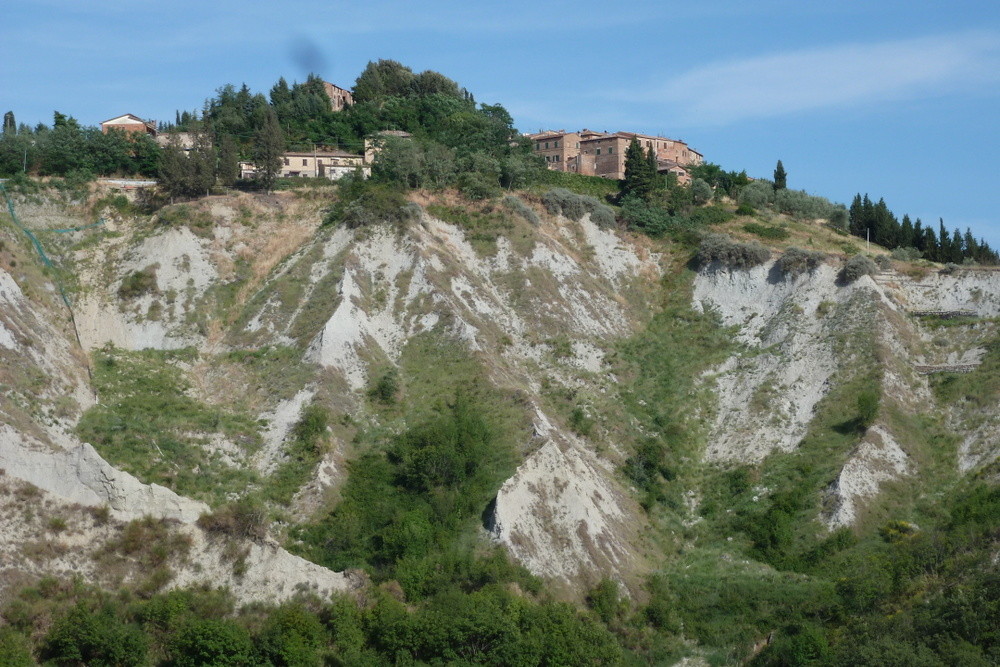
<point x="780" y="177"/>
<point x="269" y="146"/>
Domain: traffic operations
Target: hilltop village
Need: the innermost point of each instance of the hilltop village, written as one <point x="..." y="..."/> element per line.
<point x="584" y="152"/>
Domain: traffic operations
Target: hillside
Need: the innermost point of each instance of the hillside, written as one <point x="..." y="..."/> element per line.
<point x="484" y="408"/>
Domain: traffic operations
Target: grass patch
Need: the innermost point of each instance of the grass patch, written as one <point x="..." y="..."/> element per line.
<point x="482" y="227"/>
<point x="147" y="424"/>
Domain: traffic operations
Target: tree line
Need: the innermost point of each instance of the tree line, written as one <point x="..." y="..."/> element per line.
<point x="875" y="220"/>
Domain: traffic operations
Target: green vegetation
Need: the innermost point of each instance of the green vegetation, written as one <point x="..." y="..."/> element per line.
<point x="149" y="425"/>
<point x="574" y="206"/>
<point x="795" y="261"/>
<point x="876" y="221"/>
<point x="72" y="624"/>
<point x="766" y="231"/>
<point x="731" y="254"/>
<point x="858" y="266"/>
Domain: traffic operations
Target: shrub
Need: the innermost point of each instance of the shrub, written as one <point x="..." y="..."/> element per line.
<point x="906" y="254"/>
<point x="801" y="204"/>
<point x="757" y="194"/>
<point x="701" y="192"/>
<point x="883" y="262"/>
<point x="517" y="206"/>
<point x="795" y="260"/>
<point x="732" y="254"/>
<point x="745" y="209"/>
<point x="138" y="283"/>
<point x="477" y="186"/>
<point x="211" y="642"/>
<point x="363" y="203"/>
<point x="857" y="266"/>
<point x="573" y="206"/>
<point x="868" y="405"/>
<point x="386" y="387"/>
<point x="240" y="519"/>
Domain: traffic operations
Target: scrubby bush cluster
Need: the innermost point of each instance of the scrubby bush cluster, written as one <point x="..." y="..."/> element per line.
<point x="731" y="254"/>
<point x="858" y="266"/>
<point x="560" y="201"/>
<point x="796" y="260"/>
<point x="517" y="205"/>
<point x="362" y="203"/>
<point x="907" y="254"/>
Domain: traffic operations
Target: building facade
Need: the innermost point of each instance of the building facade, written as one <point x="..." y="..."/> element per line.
<point x="332" y="165"/>
<point x="340" y="98"/>
<point x="603" y="154"/>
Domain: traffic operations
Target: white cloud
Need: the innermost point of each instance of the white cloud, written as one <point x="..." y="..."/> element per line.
<point x="833" y="77"/>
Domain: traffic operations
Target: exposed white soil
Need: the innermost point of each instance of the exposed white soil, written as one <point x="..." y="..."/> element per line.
<point x="964" y="289"/>
<point x="877" y="459"/>
<point x="280" y="421"/>
<point x="561" y="515"/>
<point x="80" y="475"/>
<point x="768" y="393"/>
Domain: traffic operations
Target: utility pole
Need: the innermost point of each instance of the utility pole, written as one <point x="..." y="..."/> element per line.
<point x="868" y="239"/>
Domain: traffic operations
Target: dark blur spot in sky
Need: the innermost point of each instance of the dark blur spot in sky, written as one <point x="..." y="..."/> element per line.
<point x="307" y="56"/>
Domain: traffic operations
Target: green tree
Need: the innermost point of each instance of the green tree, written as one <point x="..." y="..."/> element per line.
<point x="229" y="160"/>
<point x="269" y="146"/>
<point x="639" y="175"/>
<point x="9" y="125"/>
<point x="780" y="177"/>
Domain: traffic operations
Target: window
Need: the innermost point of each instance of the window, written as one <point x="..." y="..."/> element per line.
<point x="538" y="145"/>
<point x="611" y="150"/>
<point x="546" y="144"/>
<point x="598" y="152"/>
<point x="578" y="144"/>
<point x="555" y="144"/>
<point x="304" y="162"/>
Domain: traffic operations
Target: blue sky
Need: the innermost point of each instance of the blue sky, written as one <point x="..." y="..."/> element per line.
<point x="897" y="99"/>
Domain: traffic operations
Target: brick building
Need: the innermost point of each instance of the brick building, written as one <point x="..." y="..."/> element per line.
<point x="129" y="123"/>
<point x="340" y="98"/>
<point x="603" y="154"/>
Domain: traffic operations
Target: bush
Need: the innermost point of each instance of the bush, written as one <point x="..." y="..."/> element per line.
<point x="801" y="204"/>
<point x="138" y="283"/>
<point x="745" y="209"/>
<point x="868" y="405"/>
<point x="573" y="206"/>
<point x="211" y="642"/>
<point x="363" y="203"/>
<point x="477" y="186"/>
<point x="906" y="254"/>
<point x="883" y="262"/>
<point x="857" y="266"/>
<point x="519" y="207"/>
<point x="701" y="192"/>
<point x="732" y="254"/>
<point x="240" y="519"/>
<point x="795" y="260"/>
<point x="757" y="194"/>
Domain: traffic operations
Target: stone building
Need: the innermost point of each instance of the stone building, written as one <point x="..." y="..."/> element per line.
<point x="340" y="98"/>
<point x="603" y="154"/>
<point x="129" y="123"/>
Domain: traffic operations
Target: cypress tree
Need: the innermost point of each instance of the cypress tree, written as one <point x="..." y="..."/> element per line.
<point x="905" y="239"/>
<point x="269" y="146"/>
<point x="919" y="242"/>
<point x="9" y="125"/>
<point x="780" y="177"/>
<point x="637" y="179"/>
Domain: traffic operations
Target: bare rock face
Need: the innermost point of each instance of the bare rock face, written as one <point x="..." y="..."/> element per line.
<point x="562" y="516"/>
<point x="876" y="460"/>
<point x="80" y="475"/>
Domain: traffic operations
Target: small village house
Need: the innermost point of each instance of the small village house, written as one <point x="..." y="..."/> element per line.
<point x="330" y="164"/>
<point x="129" y="123"/>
